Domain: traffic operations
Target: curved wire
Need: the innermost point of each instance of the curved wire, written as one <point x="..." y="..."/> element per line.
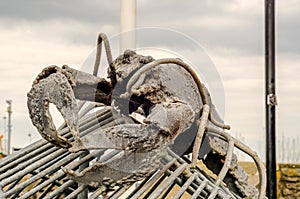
<point x="103" y="37"/>
<point x="145" y="68"/>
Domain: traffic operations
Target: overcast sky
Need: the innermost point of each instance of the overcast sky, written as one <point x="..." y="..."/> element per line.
<point x="35" y="34"/>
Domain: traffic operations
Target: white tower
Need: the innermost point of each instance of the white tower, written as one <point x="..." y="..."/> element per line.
<point x="128" y="25"/>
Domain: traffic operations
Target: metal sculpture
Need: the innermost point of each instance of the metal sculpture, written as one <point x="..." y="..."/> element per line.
<point x="160" y="101"/>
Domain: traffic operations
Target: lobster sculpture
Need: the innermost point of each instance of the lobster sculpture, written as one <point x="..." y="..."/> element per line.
<point x="164" y="103"/>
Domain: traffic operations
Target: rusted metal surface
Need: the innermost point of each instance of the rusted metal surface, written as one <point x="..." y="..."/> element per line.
<point x="123" y="136"/>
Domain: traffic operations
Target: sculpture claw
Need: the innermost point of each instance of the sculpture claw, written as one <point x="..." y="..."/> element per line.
<point x="52" y="86"/>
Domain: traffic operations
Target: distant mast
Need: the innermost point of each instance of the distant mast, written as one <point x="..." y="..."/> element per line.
<point x="128" y="25"/>
<point x="9" y="111"/>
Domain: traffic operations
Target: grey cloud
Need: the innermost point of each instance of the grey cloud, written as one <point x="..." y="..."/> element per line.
<point x="35" y="10"/>
<point x="183" y="9"/>
<point x="93" y="16"/>
<point x="288" y="36"/>
<point x="214" y="23"/>
<point x="185" y="16"/>
<point x="288" y="27"/>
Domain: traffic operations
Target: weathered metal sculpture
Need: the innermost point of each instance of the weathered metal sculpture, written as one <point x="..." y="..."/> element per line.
<point x="161" y="100"/>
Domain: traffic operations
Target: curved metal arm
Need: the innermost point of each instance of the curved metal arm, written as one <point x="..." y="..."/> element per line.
<point x="112" y="72"/>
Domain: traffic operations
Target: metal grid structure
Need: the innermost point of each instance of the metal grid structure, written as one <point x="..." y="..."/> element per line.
<point x="35" y="171"/>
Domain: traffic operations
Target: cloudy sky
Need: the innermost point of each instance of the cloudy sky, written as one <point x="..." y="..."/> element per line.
<point x="35" y="34"/>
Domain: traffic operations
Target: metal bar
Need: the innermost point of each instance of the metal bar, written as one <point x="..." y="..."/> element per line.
<point x="40" y="163"/>
<point x="117" y="194"/>
<point x="214" y="193"/>
<point x="48" y="189"/>
<point x="50" y="163"/>
<point x="22" y="155"/>
<point x="42" y="145"/>
<point x="110" y="155"/>
<point x="88" y="108"/>
<point x="181" y="161"/>
<point x="45" y="178"/>
<point x="155" y="185"/>
<point x="58" y="196"/>
<point x="17" y="156"/>
<point x="12" y="185"/>
<point x="16" y="194"/>
<point x="87" y="128"/>
<point x="197" y="182"/>
<point x="199" y="190"/>
<point x="185" y="186"/>
<point x="60" y="189"/>
<point x="169" y="181"/>
<point x="200" y="177"/>
<point x="76" y="192"/>
<point x="60" y="174"/>
<point x="41" y="174"/>
<point x="83" y="194"/>
<point x="270" y="96"/>
<point x="97" y="193"/>
<point x="25" y="164"/>
<point x="194" y="185"/>
<point x="191" y="189"/>
<point x="84" y="125"/>
<point x="171" y="187"/>
<point x="152" y="180"/>
<point x="33" y="149"/>
<point x="139" y="185"/>
<point x="31" y="168"/>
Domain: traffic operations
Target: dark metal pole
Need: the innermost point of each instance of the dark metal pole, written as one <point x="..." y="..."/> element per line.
<point x="270" y="97"/>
